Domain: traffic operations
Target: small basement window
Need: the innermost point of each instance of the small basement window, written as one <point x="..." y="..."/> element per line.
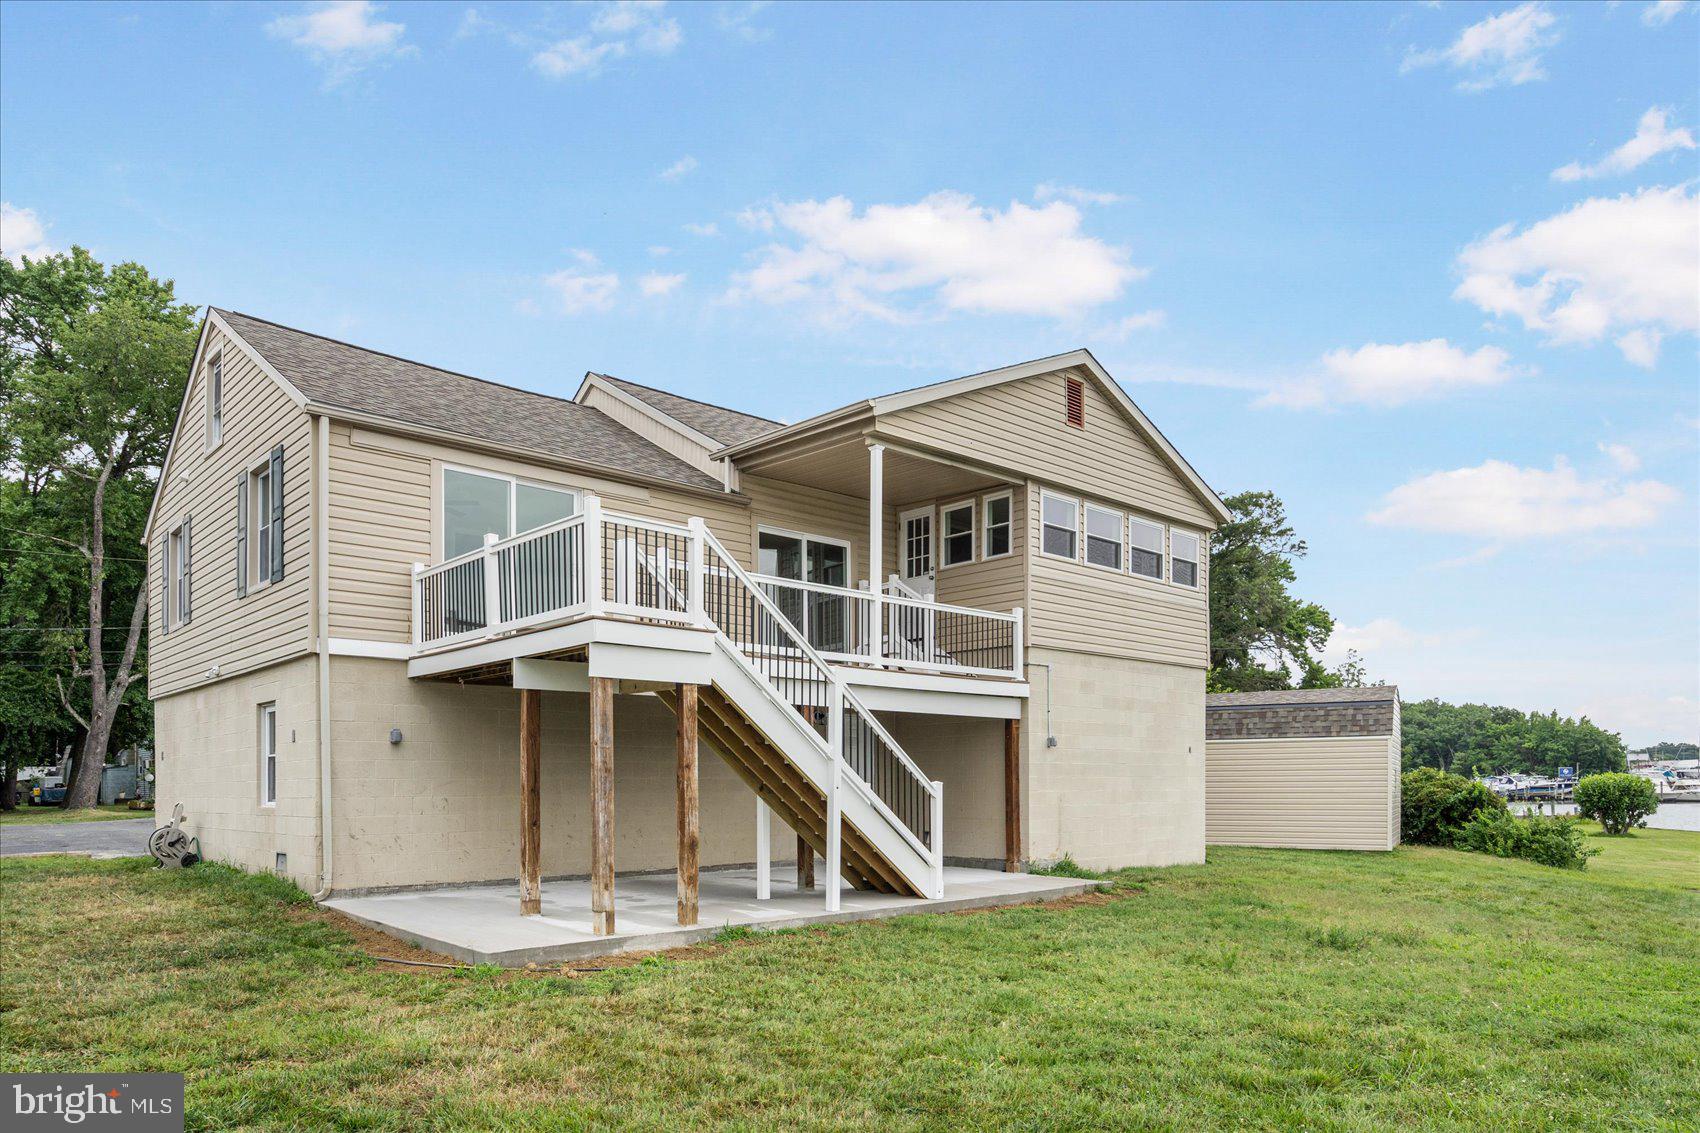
<point x="1183" y="559"/>
<point x="1074" y="402"/>
<point x="268" y="754"/>
<point x="1103" y="537"/>
<point x="1061" y="520"/>
<point x="958" y="534"/>
<point x="1145" y="548"/>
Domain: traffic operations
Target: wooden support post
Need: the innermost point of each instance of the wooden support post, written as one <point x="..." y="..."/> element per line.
<point x="602" y="805"/>
<point x="1012" y="796"/>
<point x="530" y="802"/>
<point x="764" y="850"/>
<point x="805" y="864"/>
<point x="690" y="834"/>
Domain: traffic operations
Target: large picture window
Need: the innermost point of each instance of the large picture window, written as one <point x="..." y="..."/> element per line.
<point x="1061" y="520"/>
<point x="476" y="504"/>
<point x="822" y="618"/>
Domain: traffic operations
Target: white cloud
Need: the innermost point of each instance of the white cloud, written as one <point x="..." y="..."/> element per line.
<point x="1379" y="637"/>
<point x="1653" y="136"/>
<point x="1051" y="191"/>
<point x="343" y="36"/>
<point x="659" y="250"/>
<point x="1504" y="501"/>
<point x="1122" y="328"/>
<point x="1610" y="264"/>
<point x="655" y="283"/>
<point x="738" y="20"/>
<point x="944" y="253"/>
<point x="680" y="168"/>
<point x="22" y="233"/>
<point x="1388" y="375"/>
<point x="1662" y="12"/>
<point x="582" y="289"/>
<point x="708" y="229"/>
<point x="1502" y="50"/>
<point x="616" y="30"/>
<point x="1626" y="458"/>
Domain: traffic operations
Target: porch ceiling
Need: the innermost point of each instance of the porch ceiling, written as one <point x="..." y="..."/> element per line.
<point x="841" y="466"/>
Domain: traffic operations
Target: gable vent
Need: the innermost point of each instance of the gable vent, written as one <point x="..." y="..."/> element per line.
<point x="1074" y="403"/>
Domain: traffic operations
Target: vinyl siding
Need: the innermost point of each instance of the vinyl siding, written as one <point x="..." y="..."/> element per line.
<point x="272" y="623"/>
<point x="998" y="584"/>
<point x="656" y="432"/>
<point x="383" y="511"/>
<point x="1019" y="425"/>
<point x="1092" y="610"/>
<point x="1337" y="793"/>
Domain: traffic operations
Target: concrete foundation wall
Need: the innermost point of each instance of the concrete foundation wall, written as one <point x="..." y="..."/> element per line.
<point x="1125" y="783"/>
<point x="209" y="760"/>
<point x="966" y="755"/>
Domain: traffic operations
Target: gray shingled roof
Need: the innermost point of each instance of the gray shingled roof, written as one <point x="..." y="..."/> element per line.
<point x="1374" y="694"/>
<point x="337" y="374"/>
<point x="727" y="426"/>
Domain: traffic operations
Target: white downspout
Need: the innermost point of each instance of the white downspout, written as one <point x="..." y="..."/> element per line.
<point x="322" y="637"/>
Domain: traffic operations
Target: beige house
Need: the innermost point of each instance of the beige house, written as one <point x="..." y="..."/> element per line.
<point x="412" y="628"/>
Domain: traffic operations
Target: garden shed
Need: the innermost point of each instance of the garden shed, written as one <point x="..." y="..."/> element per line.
<point x="1314" y="769"/>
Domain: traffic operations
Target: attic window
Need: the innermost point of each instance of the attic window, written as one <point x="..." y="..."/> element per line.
<point x="1074" y="398"/>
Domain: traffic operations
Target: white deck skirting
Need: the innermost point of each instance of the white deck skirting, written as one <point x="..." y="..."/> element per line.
<point x="481" y="924"/>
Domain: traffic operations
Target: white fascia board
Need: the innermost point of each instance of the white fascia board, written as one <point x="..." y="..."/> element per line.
<point x="601" y="382"/>
<point x="212" y="319"/>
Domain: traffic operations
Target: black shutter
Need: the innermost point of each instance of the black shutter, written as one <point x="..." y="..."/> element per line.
<point x="277" y="514"/>
<point x="188" y="571"/>
<point x="242" y="535"/>
<point x="165" y="584"/>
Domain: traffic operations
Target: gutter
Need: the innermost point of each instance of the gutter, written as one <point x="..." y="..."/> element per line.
<point x="322" y="637"/>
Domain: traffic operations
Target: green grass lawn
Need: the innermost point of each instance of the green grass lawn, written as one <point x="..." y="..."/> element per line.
<point x="1425" y="989"/>
<point x="44" y="815"/>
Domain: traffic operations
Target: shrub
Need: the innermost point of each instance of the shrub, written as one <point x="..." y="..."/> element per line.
<point x="1616" y="801"/>
<point x="1549" y="841"/>
<point x="1436" y="805"/>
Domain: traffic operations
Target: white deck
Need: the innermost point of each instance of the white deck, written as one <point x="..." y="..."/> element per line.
<point x="481" y="924"/>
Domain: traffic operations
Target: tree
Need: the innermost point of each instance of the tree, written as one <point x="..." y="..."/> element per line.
<point x="1259" y="632"/>
<point x="92" y="367"/>
<point x="1483" y="739"/>
<point x="1616" y="801"/>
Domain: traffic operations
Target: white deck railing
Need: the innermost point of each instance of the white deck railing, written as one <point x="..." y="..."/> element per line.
<point x="601" y="563"/>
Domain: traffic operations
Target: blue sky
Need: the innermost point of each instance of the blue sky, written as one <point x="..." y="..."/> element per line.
<point x="1426" y="271"/>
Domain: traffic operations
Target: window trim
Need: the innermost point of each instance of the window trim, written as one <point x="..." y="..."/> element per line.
<point x="1162" y="549"/>
<point x="986" y="525"/>
<point x="258" y="566"/>
<point x="1086" y="534"/>
<point x="440" y="521"/>
<point x="214" y="424"/>
<point x="941" y="534"/>
<point x="177" y="579"/>
<point x="1079" y="543"/>
<point x="268" y="709"/>
<point x="809" y="537"/>
<point x="1197" y="556"/>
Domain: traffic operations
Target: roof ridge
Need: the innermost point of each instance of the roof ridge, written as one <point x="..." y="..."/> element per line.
<point x="399" y="358"/>
<point x="684" y="397"/>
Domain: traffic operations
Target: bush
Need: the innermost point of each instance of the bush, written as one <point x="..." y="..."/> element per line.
<point x="1616" y="801"/>
<point x="1436" y="805"/>
<point x="1550" y="841"/>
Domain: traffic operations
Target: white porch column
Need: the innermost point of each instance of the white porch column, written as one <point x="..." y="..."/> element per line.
<point x="876" y="552"/>
<point x="764" y="851"/>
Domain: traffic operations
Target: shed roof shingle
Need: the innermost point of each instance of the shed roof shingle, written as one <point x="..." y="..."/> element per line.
<point x="728" y="426"/>
<point x="1373" y="694"/>
<point x="338" y="374"/>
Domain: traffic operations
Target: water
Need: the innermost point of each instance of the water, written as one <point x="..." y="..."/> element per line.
<point x="1670" y="816"/>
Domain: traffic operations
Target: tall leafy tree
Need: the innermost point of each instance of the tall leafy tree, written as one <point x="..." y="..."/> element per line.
<point x="1485" y="739"/>
<point x="92" y="366"/>
<point x="1261" y="635"/>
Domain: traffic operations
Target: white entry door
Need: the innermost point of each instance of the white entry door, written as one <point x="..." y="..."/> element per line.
<point x="915" y="551"/>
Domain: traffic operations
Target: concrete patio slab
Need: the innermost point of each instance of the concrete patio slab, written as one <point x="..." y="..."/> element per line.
<point x="481" y="924"/>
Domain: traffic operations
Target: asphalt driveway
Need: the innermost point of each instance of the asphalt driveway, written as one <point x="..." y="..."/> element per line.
<point x="120" y="838"/>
